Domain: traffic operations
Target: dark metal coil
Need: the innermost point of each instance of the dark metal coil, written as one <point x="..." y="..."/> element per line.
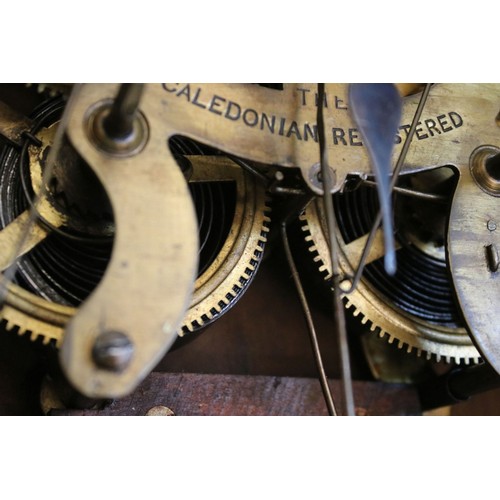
<point x="422" y="285"/>
<point x="66" y="267"/>
<point x="214" y="203"/>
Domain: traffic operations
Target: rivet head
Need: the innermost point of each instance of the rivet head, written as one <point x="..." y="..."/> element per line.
<point x="112" y="351"/>
<point x="129" y="145"/>
<point x="485" y="169"/>
<point x="491" y="225"/>
<point x="345" y="285"/>
<point x="316" y="176"/>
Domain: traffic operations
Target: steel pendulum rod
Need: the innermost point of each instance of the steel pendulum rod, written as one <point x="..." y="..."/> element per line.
<point x="332" y="411"/>
<point x="9" y="273"/>
<point x="118" y="127"/>
<point x="119" y="123"/>
<point x="338" y="307"/>
<point x="397" y="170"/>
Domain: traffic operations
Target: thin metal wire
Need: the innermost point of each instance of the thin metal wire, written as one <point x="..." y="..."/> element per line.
<point x="338" y="306"/>
<point x="246" y="166"/>
<point x="9" y="273"/>
<point x="411" y="192"/>
<point x="397" y="170"/>
<point x="332" y="411"/>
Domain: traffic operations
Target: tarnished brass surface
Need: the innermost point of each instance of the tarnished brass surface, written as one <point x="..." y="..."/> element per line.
<point x="238" y="257"/>
<point x="472" y="229"/>
<point x="486" y="180"/>
<point x="11" y="235"/>
<point x="406" y="89"/>
<point x="411" y="333"/>
<point x="393" y="365"/>
<point x="278" y="127"/>
<point x="143" y="190"/>
<point x="12" y="123"/>
<point x="242" y="249"/>
<point x="29" y="314"/>
<point x="275" y="128"/>
<point x="71" y="197"/>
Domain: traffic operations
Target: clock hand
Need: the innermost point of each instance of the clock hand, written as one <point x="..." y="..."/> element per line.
<point x="376" y="108"/>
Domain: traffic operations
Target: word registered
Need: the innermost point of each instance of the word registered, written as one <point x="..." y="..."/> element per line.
<point x="283" y="126"/>
<point x="429" y="127"/>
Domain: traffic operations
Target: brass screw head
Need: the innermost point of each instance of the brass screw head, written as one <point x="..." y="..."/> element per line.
<point x="160" y="411"/>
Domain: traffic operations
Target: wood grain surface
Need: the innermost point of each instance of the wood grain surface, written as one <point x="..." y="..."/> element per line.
<point x="188" y="394"/>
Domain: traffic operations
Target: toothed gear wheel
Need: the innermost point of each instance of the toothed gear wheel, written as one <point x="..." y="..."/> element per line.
<point x="58" y="274"/>
<point x="415" y="308"/>
<point x="226" y="271"/>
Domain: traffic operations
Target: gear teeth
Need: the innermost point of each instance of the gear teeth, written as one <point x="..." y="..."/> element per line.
<point x="323" y="269"/>
<point x="311" y="246"/>
<point x="244" y="278"/>
<point x="410" y="349"/>
<point x="262" y="225"/>
<point x="10" y="327"/>
<point x="247" y="273"/>
<point x="206" y="317"/>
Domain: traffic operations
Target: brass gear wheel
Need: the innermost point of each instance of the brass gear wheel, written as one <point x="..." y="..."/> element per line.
<point x="228" y="274"/>
<point x="411" y="309"/>
<point x="228" y="260"/>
